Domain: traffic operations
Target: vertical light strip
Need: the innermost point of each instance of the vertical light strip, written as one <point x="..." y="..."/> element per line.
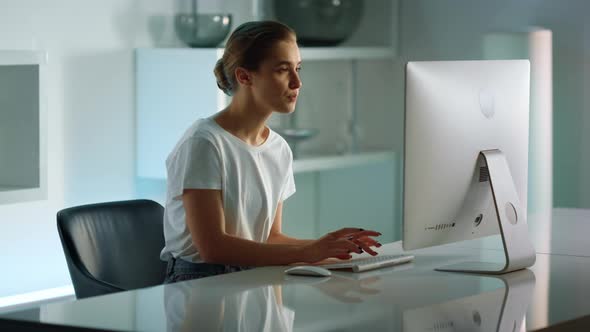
<point x="353" y="124"/>
<point x="541" y="126"/>
<point x="535" y="44"/>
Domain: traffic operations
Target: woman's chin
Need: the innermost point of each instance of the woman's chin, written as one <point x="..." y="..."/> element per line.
<point x="285" y="109"/>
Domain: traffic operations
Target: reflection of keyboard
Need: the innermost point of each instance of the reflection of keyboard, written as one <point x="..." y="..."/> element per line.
<point x="370" y="263"/>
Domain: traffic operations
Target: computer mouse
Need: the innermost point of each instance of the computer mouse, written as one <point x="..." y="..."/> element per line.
<point x="309" y="270"/>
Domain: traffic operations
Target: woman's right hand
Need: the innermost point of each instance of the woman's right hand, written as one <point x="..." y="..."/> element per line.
<point x="339" y="244"/>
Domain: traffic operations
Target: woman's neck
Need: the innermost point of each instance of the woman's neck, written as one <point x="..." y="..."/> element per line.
<point x="244" y="120"/>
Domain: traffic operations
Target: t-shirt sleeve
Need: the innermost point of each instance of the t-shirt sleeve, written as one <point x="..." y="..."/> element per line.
<point x="289" y="187"/>
<point x="195" y="165"/>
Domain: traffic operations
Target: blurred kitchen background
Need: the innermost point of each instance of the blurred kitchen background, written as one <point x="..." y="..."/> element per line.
<point x="121" y="86"/>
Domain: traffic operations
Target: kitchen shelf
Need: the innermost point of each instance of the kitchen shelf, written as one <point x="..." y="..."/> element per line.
<point x="325" y="162"/>
<point x="347" y="53"/>
<point x="316" y="53"/>
<point x="320" y="163"/>
<point x="177" y="79"/>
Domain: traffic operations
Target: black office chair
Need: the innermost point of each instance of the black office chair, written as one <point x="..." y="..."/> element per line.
<point x="114" y="246"/>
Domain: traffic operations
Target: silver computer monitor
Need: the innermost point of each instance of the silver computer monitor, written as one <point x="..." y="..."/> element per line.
<point x="466" y="157"/>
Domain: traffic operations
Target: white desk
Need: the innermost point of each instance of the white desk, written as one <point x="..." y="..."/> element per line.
<point x="412" y="297"/>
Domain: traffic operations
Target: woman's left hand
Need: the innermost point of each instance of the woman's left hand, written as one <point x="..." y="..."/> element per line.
<point x="365" y="242"/>
<point x="362" y="238"/>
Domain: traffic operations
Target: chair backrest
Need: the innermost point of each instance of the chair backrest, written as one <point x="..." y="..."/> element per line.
<point x="113" y="246"/>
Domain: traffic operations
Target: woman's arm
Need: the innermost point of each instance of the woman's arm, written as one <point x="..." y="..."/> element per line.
<point x="206" y="223"/>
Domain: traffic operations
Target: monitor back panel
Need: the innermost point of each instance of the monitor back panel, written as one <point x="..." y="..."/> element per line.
<point x="454" y="110"/>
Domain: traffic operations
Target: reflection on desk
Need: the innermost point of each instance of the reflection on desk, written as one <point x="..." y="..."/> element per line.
<point x="256" y="309"/>
<point x="500" y="310"/>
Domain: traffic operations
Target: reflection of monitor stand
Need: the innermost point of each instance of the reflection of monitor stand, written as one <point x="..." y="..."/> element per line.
<point x="518" y="249"/>
<point x="504" y="309"/>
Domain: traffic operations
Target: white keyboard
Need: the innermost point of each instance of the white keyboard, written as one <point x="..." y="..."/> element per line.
<point x="370" y="263"/>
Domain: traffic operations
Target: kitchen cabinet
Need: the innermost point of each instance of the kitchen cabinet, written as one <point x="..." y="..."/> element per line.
<point x="174" y="87"/>
<point x="364" y="195"/>
<point x="349" y="174"/>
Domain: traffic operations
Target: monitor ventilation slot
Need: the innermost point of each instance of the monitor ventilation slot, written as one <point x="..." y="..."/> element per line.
<point x="484" y="174"/>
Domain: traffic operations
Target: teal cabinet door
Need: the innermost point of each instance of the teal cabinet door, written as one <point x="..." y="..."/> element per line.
<point x="364" y="196"/>
<point x="299" y="210"/>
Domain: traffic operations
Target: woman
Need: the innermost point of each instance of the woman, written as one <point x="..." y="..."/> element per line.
<point x="229" y="174"/>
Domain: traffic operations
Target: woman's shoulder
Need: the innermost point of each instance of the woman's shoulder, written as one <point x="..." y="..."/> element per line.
<point x="198" y="134"/>
<point x="201" y="129"/>
<point x="279" y="143"/>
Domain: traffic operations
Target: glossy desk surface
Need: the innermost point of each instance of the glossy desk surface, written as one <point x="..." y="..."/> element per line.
<point x="411" y="297"/>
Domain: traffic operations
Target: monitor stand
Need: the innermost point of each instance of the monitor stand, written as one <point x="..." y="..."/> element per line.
<point x="518" y="249"/>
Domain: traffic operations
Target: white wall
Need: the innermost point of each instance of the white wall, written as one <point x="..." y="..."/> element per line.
<point x="91" y="119"/>
<point x="454" y="30"/>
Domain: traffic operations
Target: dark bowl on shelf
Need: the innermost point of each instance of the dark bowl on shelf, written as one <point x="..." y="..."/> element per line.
<point x="320" y="22"/>
<point x="202" y="30"/>
<point x="296" y="134"/>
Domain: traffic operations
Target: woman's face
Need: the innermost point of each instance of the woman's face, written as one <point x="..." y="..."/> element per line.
<point x="276" y="83"/>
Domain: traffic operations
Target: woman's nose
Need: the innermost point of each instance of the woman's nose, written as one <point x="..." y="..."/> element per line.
<point x="295" y="81"/>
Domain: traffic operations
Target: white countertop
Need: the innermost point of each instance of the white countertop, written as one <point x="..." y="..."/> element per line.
<point x="411" y="297"/>
<point x="404" y="298"/>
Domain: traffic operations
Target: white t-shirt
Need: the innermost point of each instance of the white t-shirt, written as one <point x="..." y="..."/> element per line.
<point x="253" y="181"/>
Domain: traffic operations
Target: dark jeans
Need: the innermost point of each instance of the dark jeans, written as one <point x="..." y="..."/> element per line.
<point x="179" y="270"/>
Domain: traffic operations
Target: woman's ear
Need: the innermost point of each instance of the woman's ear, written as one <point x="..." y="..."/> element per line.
<point x="243" y="76"/>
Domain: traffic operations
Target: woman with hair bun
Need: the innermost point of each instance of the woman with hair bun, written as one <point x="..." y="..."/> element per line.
<point x="229" y="174"/>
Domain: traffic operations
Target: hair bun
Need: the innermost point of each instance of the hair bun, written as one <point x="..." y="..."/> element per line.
<point x="222" y="81"/>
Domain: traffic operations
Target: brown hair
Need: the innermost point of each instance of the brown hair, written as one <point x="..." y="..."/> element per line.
<point x="247" y="47"/>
